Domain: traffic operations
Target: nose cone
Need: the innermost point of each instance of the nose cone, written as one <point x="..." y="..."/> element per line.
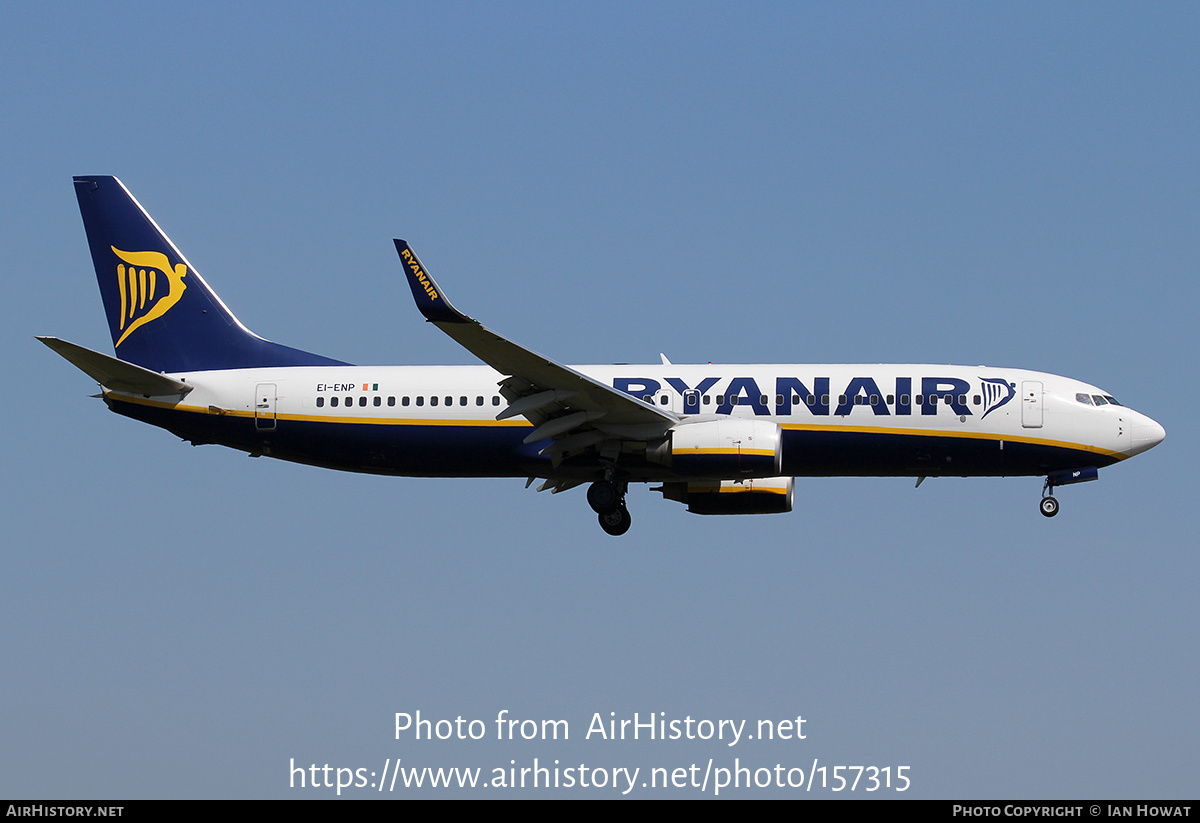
<point x="1145" y="434"/>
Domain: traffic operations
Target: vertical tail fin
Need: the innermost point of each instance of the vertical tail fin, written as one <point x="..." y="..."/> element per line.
<point x="161" y="313"/>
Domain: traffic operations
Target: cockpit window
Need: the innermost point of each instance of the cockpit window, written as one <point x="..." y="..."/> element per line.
<point x="1085" y="399"/>
<point x="1111" y="399"/>
<point x="1100" y="401"/>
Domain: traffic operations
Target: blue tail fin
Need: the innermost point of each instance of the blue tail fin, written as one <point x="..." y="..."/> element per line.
<point x="161" y="313"/>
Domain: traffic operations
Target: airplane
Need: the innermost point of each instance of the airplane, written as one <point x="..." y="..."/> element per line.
<point x="720" y="439"/>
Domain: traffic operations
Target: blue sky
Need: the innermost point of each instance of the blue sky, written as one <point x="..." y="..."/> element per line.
<point x="1012" y="185"/>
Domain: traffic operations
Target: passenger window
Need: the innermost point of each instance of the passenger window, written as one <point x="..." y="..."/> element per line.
<point x="904" y="398"/>
<point x="392" y="401"/>
<point x="975" y="400"/>
<point x="462" y="401"/>
<point x="362" y="401"/>
<point x="420" y="400"/>
<point x="733" y="401"/>
<point x="858" y="399"/>
<point x="433" y="401"/>
<point x="706" y="399"/>
<point x="663" y="400"/>
<point x="378" y="400"/>
<point x="648" y="398"/>
<point x="933" y="398"/>
<point x="449" y="401"/>
<point x="962" y="400"/>
<point x="349" y="401"/>
<point x="874" y="399"/>
<point x="812" y="399"/>
<point x="891" y="398"/>
<point x="720" y="400"/>
<point x="841" y="399"/>
<point x="762" y="400"/>
<point x="824" y="400"/>
<point x="320" y="402"/>
<point x="479" y="400"/>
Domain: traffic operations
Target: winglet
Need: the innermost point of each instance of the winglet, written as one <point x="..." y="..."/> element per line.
<point x="430" y="299"/>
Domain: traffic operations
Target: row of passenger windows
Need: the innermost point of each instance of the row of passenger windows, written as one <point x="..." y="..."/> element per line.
<point x="811" y="400"/>
<point x="419" y="400"/>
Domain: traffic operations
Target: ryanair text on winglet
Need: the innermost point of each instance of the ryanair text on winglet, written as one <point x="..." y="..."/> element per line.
<point x="418" y="273"/>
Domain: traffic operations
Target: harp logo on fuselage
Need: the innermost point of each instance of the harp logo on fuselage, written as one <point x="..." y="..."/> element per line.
<point x="996" y="393"/>
<point x="143" y="296"/>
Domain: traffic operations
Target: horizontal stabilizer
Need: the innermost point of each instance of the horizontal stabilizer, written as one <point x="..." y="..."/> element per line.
<point x="117" y="374"/>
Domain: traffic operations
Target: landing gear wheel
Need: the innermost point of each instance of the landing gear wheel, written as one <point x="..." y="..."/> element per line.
<point x="603" y="496"/>
<point x="616" y="522"/>
<point x="1049" y="506"/>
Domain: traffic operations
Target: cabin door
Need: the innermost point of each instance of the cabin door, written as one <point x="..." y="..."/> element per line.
<point x="1031" y="404"/>
<point x="264" y="407"/>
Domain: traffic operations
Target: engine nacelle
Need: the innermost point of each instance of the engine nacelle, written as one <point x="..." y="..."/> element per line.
<point x="762" y="495"/>
<point x="727" y="448"/>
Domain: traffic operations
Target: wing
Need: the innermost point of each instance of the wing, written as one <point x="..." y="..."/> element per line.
<point x="574" y="411"/>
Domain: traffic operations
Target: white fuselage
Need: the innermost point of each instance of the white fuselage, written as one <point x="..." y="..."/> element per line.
<point x="910" y="419"/>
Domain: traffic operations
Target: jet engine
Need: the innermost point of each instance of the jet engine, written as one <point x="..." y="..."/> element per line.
<point x="762" y="495"/>
<point x="732" y="448"/>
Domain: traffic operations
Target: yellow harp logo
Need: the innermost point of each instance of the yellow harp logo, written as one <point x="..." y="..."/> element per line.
<point x="139" y="283"/>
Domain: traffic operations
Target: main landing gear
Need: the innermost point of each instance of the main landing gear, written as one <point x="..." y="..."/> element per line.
<point x="607" y="500"/>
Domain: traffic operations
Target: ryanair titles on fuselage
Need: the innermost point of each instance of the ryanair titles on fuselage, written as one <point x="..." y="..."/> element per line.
<point x="819" y="397"/>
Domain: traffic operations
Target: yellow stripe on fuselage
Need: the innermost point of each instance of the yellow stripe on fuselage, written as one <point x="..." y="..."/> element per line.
<point x="734" y="490"/>
<point x="757" y="452"/>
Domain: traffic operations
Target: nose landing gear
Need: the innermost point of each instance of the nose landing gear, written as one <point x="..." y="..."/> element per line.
<point x="1049" y="506"/>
